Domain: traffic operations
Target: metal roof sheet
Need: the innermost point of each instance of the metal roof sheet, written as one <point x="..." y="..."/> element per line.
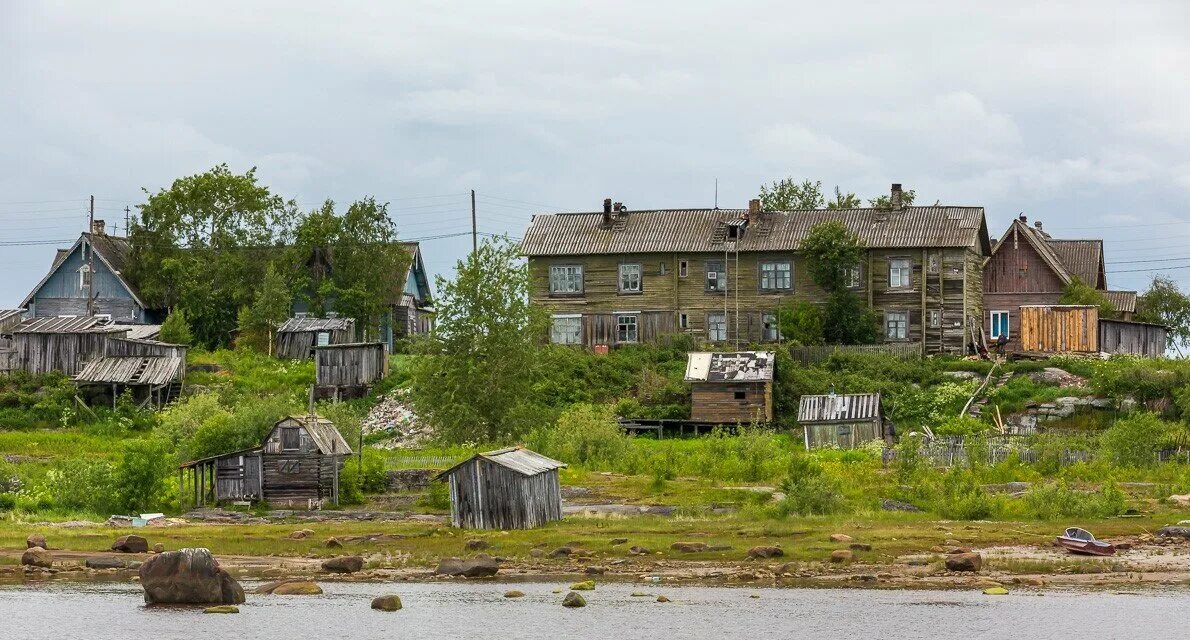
<point x="323" y="432"/>
<point x="298" y="325"/>
<point x="518" y="459"/>
<point x="1123" y="301"/>
<point x="750" y="366"/>
<point x="702" y="230"/>
<point x="140" y="331"/>
<point x="839" y="407"/>
<point x="1082" y="258"/>
<point x="131" y="370"/>
<point x="73" y="324"/>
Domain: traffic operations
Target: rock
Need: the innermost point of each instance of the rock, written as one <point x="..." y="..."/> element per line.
<point x="616" y="541"/>
<point x="1033" y="582"/>
<point x="1056" y="376"/>
<point x="481" y="566"/>
<point x="641" y="594"/>
<point x="585" y="585"/>
<point x="158" y="548"/>
<point x="765" y="552"/>
<point x="595" y="570"/>
<point x="343" y="564"/>
<point x="105" y="562"/>
<point x="387" y="603"/>
<point x="663" y="599"/>
<point x="860" y="546"/>
<point x="537" y="553"/>
<point x="476" y="544"/>
<point x="896" y="505"/>
<point x="636" y="550"/>
<point x="964" y="562"/>
<point x="514" y="594"/>
<point x="689" y="547"/>
<point x="35" y="540"/>
<point x="131" y="544"/>
<point x="574" y="600"/>
<point x="841" y="537"/>
<point x="995" y="591"/>
<point x="189" y="576"/>
<point x="301" y="535"/>
<point x="1182" y="500"/>
<point x="1174" y="532"/>
<point x="841" y="555"/>
<point x="297" y="588"/>
<point x="562" y="552"/>
<point x="37" y="557"/>
<point x="958" y="550"/>
<point x="222" y="608"/>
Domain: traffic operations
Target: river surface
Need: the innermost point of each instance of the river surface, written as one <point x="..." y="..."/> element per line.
<point x="479" y="610"/>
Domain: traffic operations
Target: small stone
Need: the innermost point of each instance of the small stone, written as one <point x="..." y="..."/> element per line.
<point x="595" y="570"/>
<point x="574" y="600"/>
<point x="297" y="588"/>
<point x="223" y="608"/>
<point x="641" y="594"/>
<point x="37" y="557"/>
<point x="159" y="548"/>
<point x="556" y="591"/>
<point x="537" y="553"/>
<point x="860" y="546"/>
<point x="299" y="535"/>
<point x="585" y="585"/>
<point x="636" y="550"/>
<point x="841" y="537"/>
<point x="663" y="599"/>
<point x="841" y="555"/>
<point x="995" y="591"/>
<point x="689" y="547"/>
<point x="754" y="596"/>
<point x="104" y="562"/>
<point x="36" y="540"/>
<point x="964" y="562"/>
<point x="333" y="543"/>
<point x="616" y="541"/>
<point x="476" y="544"/>
<point x="386" y="603"/>
<point x="343" y="564"/>
<point x="765" y="552"/>
<point x="514" y="594"/>
<point x="562" y="552"/>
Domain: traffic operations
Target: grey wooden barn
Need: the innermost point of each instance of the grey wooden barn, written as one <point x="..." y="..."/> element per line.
<point x="152" y="371"/>
<point x="843" y="420"/>
<point x="297" y="465"/>
<point x="297" y="338"/>
<point x="42" y="345"/>
<point x="345" y="371"/>
<point x="512" y="488"/>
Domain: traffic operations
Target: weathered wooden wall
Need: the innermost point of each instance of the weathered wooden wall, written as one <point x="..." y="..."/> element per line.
<point x="1135" y="338"/>
<point x="716" y="402"/>
<point x="299" y="345"/>
<point x="64" y="352"/>
<point x="120" y="347"/>
<point x="485" y="495"/>
<point x="1060" y="329"/>
<point x="346" y="365"/>
<point x="845" y="435"/>
<point x="1018" y="268"/>
<point x="63" y="295"/>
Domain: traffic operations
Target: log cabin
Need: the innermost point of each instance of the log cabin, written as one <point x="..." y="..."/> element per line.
<point x="619" y="277"/>
<point x="731" y="388"/>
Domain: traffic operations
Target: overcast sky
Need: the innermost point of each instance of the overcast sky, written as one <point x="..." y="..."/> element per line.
<point x="1075" y="113"/>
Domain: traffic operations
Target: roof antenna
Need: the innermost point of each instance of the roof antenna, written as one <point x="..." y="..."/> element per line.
<point x="716" y="194"/>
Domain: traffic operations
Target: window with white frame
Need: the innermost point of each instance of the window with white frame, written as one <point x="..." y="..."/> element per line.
<point x="84" y="277"/>
<point x="630" y="278"/>
<point x="776" y="276"/>
<point x="853" y="277"/>
<point x="935" y="318"/>
<point x="900" y="273"/>
<point x="566" y="329"/>
<point x="566" y="279"/>
<point x="896" y="325"/>
<point x="626" y="328"/>
<point x="324" y="338"/>
<point x="772" y="332"/>
<point x="683" y="321"/>
<point x="716" y="326"/>
<point x="1000" y="325"/>
<point x="683" y="269"/>
<point x="716" y="276"/>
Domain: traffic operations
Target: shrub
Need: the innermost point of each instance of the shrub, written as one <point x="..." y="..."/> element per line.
<point x="176" y="328"/>
<point x="1133" y="441"/>
<point x="7" y="502"/>
<point x="78" y="483"/>
<point x="1052" y="501"/>
<point x="808" y="489"/>
<point x="139" y="476"/>
<point x="438" y="496"/>
<point x="961" y="498"/>
<point x="585" y="434"/>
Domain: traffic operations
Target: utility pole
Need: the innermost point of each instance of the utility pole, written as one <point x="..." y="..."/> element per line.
<point x="91" y="259"/>
<point x="126" y="227"/>
<point x="474" y="233"/>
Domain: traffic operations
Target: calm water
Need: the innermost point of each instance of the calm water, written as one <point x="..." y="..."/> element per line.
<point x="115" y="611"/>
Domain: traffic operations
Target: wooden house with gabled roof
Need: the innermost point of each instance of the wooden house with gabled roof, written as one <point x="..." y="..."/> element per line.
<point x="619" y="276"/>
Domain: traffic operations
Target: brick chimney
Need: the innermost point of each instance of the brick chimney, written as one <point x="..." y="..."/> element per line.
<point x="1023" y="218"/>
<point x="97" y="227"/>
<point x="896" y="197"/>
<point x="753" y="206"/>
<point x="607" y="211"/>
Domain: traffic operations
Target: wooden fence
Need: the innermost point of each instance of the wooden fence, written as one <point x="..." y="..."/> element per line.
<point x="819" y="353"/>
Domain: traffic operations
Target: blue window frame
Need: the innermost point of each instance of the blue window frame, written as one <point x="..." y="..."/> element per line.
<point x="1000" y="325"/>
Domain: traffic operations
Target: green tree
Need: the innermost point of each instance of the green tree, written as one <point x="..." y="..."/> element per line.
<point x="140" y="474"/>
<point x="787" y="194"/>
<point x="844" y="200"/>
<point x="801" y="323"/>
<point x="1079" y="292"/>
<point x="176" y="329"/>
<point x="847" y="320"/>
<point x="1164" y="303"/>
<point x="885" y="201"/>
<point x="478" y="368"/>
<point x="202" y="244"/>
<point x="272" y="305"/>
<point x="833" y="253"/>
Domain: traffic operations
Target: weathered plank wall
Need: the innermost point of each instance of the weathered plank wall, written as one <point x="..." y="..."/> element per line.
<point x="1060" y="329"/>
<point x="65" y="352"/>
<point x="485" y="495"/>
<point x="299" y="345"/>
<point x="717" y="402"/>
<point x="845" y="435"/>
<point x="350" y="364"/>
<point x="1136" y="338"/>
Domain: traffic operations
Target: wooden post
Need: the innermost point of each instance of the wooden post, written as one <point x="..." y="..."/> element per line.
<point x="201" y="472"/>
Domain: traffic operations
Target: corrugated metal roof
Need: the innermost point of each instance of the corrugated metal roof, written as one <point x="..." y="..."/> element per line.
<point x="518" y="459"/>
<point x="839" y="407"/>
<point x="1082" y="258"/>
<point x="736" y="366"/>
<point x="701" y="230"/>
<point x="323" y="432"/>
<point x="1123" y="301"/>
<point x="10" y="318"/>
<point x="140" y="331"/>
<point x="77" y="324"/>
<point x="134" y="370"/>
<point x="298" y="325"/>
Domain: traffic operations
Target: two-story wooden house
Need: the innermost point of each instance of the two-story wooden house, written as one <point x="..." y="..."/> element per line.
<point x="618" y="276"/>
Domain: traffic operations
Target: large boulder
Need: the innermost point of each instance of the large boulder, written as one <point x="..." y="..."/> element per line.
<point x="188" y="576"/>
<point x="105" y="562"/>
<point x="964" y="562"/>
<point x="481" y="566"/>
<point x="387" y="603"/>
<point x="574" y="600"/>
<point x="765" y="552"/>
<point x="1174" y="532"/>
<point x="297" y="588"/>
<point x="343" y="564"/>
<point x="37" y="557"/>
<point x="35" y="540"/>
<point x="131" y="544"/>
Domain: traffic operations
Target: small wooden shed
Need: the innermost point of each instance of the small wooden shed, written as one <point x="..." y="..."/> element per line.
<point x="731" y="388"/>
<point x="61" y="344"/>
<point x="1060" y="328"/>
<point x="297" y="338"/>
<point x="297" y="465"/>
<point x="842" y="420"/>
<point x="152" y="371"/>
<point x="512" y="488"/>
<point x="346" y="371"/>
<point x="1133" y="338"/>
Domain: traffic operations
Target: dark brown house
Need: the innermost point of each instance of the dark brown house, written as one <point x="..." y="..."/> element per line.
<point x="1028" y="267"/>
<point x="731" y="388"/>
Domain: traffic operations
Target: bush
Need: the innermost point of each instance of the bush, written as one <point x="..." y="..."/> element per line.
<point x="7" y="502"/>
<point x="139" y="476"/>
<point x="808" y="489"/>
<point x="1133" y="441"/>
<point x="961" y="498"/>
<point x="176" y="328"/>
<point x="1053" y="501"/>
<point x="587" y="435"/>
<point x="78" y="483"/>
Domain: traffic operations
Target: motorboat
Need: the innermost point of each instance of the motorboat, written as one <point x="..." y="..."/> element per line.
<point x="1082" y="542"/>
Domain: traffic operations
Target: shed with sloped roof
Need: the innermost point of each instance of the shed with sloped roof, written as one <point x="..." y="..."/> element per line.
<point x="731" y="388"/>
<point x="512" y="488"/>
<point x="842" y="420"/>
<point x="297" y="338"/>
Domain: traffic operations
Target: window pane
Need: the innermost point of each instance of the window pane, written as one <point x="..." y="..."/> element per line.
<point x="896" y="325"/>
<point x="716" y="326"/>
<point x="630" y="277"/>
<point x="626" y="329"/>
<point x="716" y="276"/>
<point x="566" y="279"/>
<point x="566" y="331"/>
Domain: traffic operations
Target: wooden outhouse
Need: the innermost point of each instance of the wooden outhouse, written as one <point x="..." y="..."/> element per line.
<point x="731" y="388"/>
<point x="512" y="488"/>
<point x="842" y="420"/>
<point x="345" y="371"/>
<point x="297" y="465"/>
<point x="297" y="338"/>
